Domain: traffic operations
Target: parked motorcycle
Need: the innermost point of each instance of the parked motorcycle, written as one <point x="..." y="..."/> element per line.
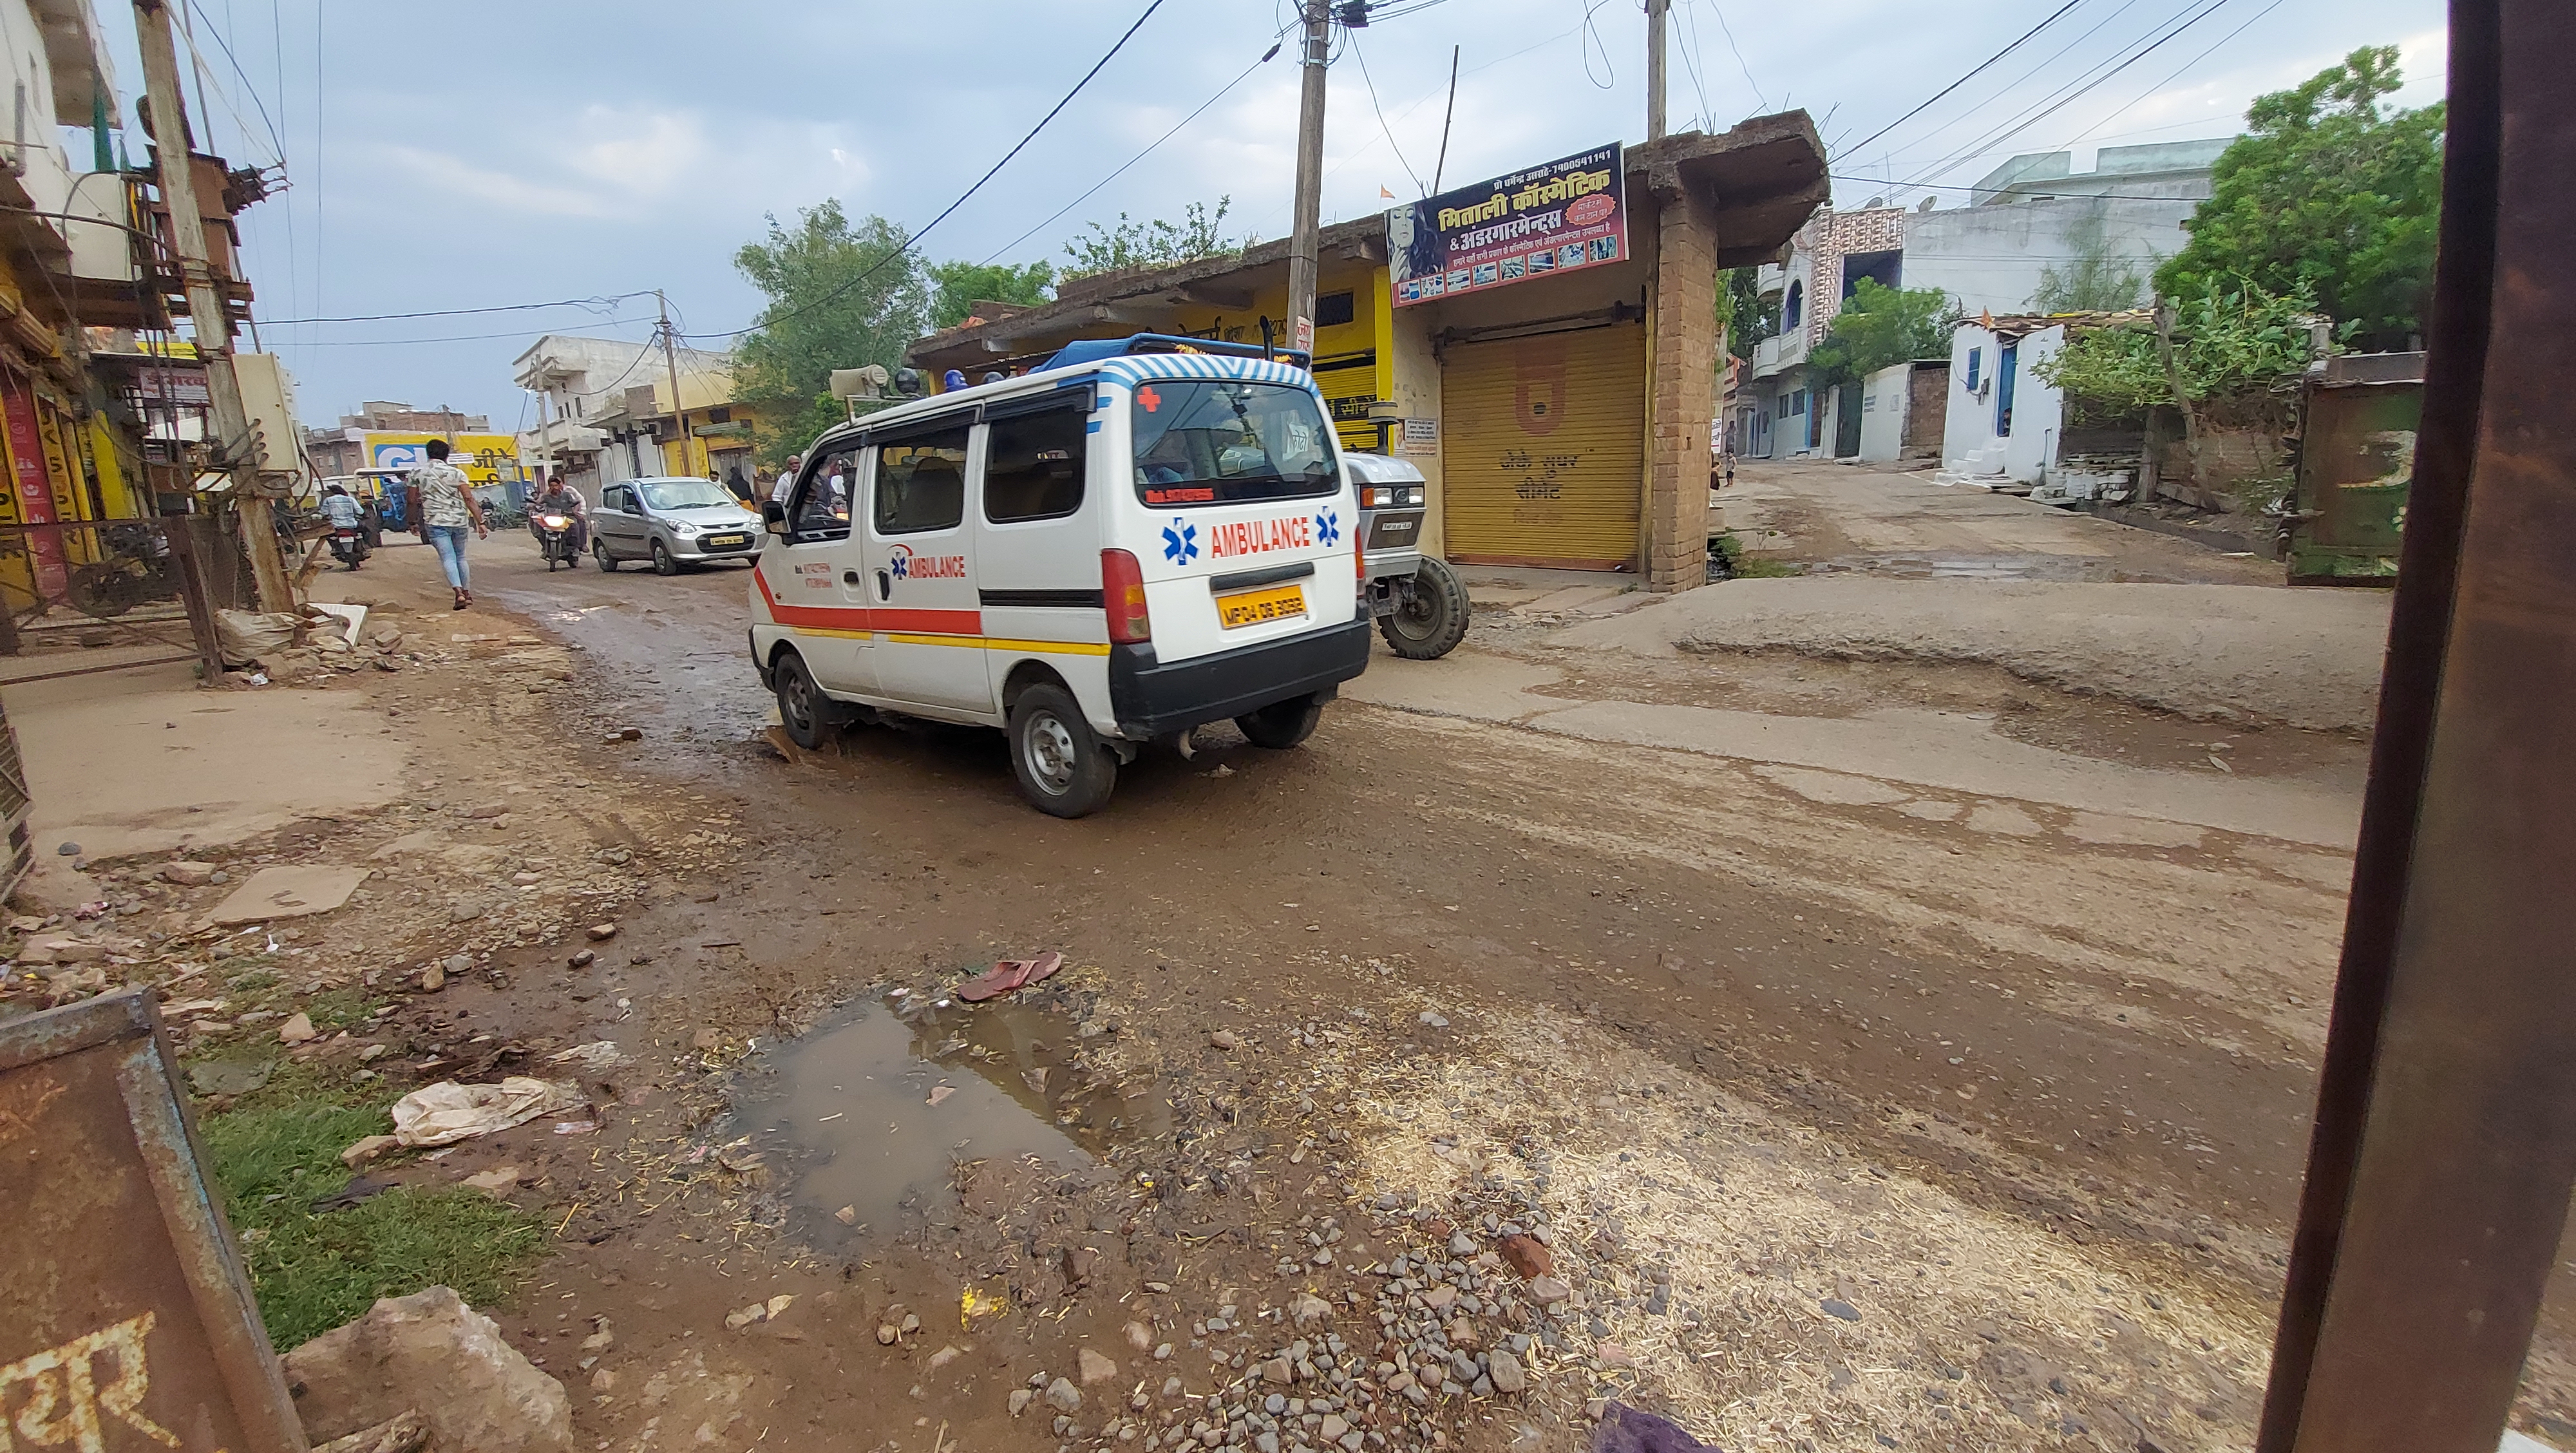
<point x="349" y="544"/>
<point x="554" y="539"/>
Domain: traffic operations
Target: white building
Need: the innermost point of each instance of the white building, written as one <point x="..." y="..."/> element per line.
<point x="605" y="412"/>
<point x="2029" y="217"/>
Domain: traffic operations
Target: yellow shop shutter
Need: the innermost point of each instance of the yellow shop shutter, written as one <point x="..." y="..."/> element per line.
<point x="1544" y="451"/>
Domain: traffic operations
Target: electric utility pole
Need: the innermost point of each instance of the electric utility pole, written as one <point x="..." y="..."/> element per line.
<point x="1656" y="10"/>
<point x="671" y="359"/>
<point x="206" y="307"/>
<point x="1302" y="243"/>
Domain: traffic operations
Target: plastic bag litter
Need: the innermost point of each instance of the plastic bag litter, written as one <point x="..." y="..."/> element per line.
<point x="447" y="1112"/>
<point x="248" y="635"/>
<point x="599" y="1054"/>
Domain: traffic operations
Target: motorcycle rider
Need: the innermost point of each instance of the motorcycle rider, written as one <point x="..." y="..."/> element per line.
<point x="342" y="512"/>
<point x="559" y="498"/>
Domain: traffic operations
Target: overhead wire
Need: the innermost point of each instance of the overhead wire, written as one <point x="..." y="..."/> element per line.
<point x="276" y="143"/>
<point x="1602" y="46"/>
<point x="913" y="239"/>
<point x="1729" y="32"/>
<point x="2066" y="96"/>
<point x="1362" y="57"/>
<point x="594" y="303"/>
<point x="1980" y="68"/>
<point x="2177" y="73"/>
<point x="1221" y="94"/>
<point x="2017" y="83"/>
<point x="1690" y="63"/>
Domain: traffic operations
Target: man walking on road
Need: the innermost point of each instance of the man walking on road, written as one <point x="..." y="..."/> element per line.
<point x="447" y="507"/>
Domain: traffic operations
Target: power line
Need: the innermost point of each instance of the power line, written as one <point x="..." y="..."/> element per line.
<point x="913" y="240"/>
<point x="2177" y="71"/>
<point x="1221" y="94"/>
<point x="1690" y="62"/>
<point x="2025" y="78"/>
<point x="277" y="144"/>
<point x="2030" y="118"/>
<point x="593" y="303"/>
<point x="1365" y="80"/>
<point x="1980" y="67"/>
<point x="453" y="338"/>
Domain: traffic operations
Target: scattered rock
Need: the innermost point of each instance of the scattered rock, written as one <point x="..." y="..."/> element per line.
<point x="1140" y="1336"/>
<point x="237" y="1077"/>
<point x="1095" y="1367"/>
<point x="625" y="734"/>
<point x="886" y="1335"/>
<point x="1063" y="1395"/>
<point x="1224" y="1039"/>
<point x="1435" y="1019"/>
<point x="368" y="1149"/>
<point x="298" y="1029"/>
<point x="582" y="960"/>
<point x="602" y="932"/>
<point x="431" y="1353"/>
<point x="756" y="1312"/>
<point x="1021" y="1397"/>
<point x="1505" y="1370"/>
<point x="407" y="1432"/>
<point x="1837" y="1307"/>
<point x="943" y="1357"/>
<point x="1547" y="1290"/>
<point x="847" y="1215"/>
<point x="496" y="1180"/>
<point x="187" y="874"/>
<point x="1526" y="1255"/>
<point x="433" y="978"/>
<point x="67" y="850"/>
<point x="1307" y="1307"/>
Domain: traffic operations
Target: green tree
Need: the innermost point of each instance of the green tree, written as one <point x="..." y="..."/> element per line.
<point x="2331" y="194"/>
<point x="841" y="295"/>
<point x="1880" y="326"/>
<point x="1748" y="314"/>
<point x="957" y="286"/>
<point x="1152" y="244"/>
<point x="2094" y="280"/>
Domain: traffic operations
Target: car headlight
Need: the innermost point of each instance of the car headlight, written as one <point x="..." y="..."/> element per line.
<point x="1413" y="496"/>
<point x="683" y="528"/>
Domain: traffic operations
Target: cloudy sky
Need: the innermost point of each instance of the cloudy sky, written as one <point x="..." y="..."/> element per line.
<point x="473" y="154"/>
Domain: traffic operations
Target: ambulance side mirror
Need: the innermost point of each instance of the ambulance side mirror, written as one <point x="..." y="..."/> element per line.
<point x="773" y="516"/>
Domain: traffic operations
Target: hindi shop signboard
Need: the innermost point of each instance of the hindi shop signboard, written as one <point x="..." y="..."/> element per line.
<point x="1567" y="214"/>
<point x="125" y="1319"/>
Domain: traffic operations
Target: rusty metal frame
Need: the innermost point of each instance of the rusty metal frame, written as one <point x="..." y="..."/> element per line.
<point x="175" y="1163"/>
<point x="2444" y="1150"/>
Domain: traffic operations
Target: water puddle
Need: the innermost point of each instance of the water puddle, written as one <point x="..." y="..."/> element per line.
<point x="870" y="1110"/>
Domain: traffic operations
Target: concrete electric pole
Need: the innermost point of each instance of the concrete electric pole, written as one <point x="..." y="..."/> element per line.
<point x="1302" y="242"/>
<point x="671" y="359"/>
<point x="1656" y="10"/>
<point x="206" y="307"/>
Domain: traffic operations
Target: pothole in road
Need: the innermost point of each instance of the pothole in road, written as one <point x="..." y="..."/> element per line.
<point x="866" y="1115"/>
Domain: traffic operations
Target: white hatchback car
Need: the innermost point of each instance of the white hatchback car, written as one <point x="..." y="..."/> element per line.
<point x="1141" y="536"/>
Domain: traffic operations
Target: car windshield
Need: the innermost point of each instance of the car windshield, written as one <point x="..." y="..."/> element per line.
<point x="1209" y="441"/>
<point x="685" y="494"/>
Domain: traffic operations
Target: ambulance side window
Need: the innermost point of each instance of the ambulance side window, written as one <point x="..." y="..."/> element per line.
<point x="1033" y="465"/>
<point x="822" y="507"/>
<point x="921" y="481"/>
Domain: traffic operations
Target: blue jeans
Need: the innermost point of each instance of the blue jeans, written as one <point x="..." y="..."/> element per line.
<point x="449" y="542"/>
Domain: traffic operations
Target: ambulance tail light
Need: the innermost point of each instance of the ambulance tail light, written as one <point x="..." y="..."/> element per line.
<point x="1122" y="591"/>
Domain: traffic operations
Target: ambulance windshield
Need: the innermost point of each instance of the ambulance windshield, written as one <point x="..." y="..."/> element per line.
<point x="1212" y="441"/>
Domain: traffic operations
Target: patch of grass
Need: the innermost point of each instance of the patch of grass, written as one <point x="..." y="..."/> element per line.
<point x="252" y="982"/>
<point x="340" y="1008"/>
<point x="314" y="1270"/>
<point x="1741" y="564"/>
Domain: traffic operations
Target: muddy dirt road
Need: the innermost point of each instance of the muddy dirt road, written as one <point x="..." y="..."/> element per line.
<point x="1855" y="1108"/>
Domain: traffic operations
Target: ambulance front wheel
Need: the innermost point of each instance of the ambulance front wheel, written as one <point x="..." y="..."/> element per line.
<point x="1064" y="770"/>
<point x="809" y="716"/>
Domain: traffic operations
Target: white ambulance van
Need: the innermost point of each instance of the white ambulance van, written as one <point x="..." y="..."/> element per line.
<point x="1141" y="536"/>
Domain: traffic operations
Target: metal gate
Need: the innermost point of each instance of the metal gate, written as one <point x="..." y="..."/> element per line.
<point x="1545" y="459"/>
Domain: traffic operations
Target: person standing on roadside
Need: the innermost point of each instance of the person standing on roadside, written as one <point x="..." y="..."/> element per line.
<point x="786" y="479"/>
<point x="447" y="509"/>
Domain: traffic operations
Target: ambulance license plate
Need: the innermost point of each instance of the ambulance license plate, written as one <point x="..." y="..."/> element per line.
<point x="1252" y="607"/>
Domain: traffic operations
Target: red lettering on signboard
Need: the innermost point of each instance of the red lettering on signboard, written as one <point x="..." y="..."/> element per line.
<point x="35" y="493"/>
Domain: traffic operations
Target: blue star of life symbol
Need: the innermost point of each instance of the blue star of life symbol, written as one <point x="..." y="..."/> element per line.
<point x="1328" y="527"/>
<point x="1180" y="542"/>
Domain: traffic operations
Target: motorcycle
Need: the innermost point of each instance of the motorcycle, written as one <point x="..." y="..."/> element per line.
<point x="349" y="544"/>
<point x="554" y="539"/>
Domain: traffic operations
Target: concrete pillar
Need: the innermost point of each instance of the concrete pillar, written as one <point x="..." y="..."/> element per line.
<point x="1683" y="398"/>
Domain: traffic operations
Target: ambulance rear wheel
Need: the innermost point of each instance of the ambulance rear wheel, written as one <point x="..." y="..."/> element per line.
<point x="1430" y="617"/>
<point x="1063" y="769"/>
<point x="1281" y="724"/>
